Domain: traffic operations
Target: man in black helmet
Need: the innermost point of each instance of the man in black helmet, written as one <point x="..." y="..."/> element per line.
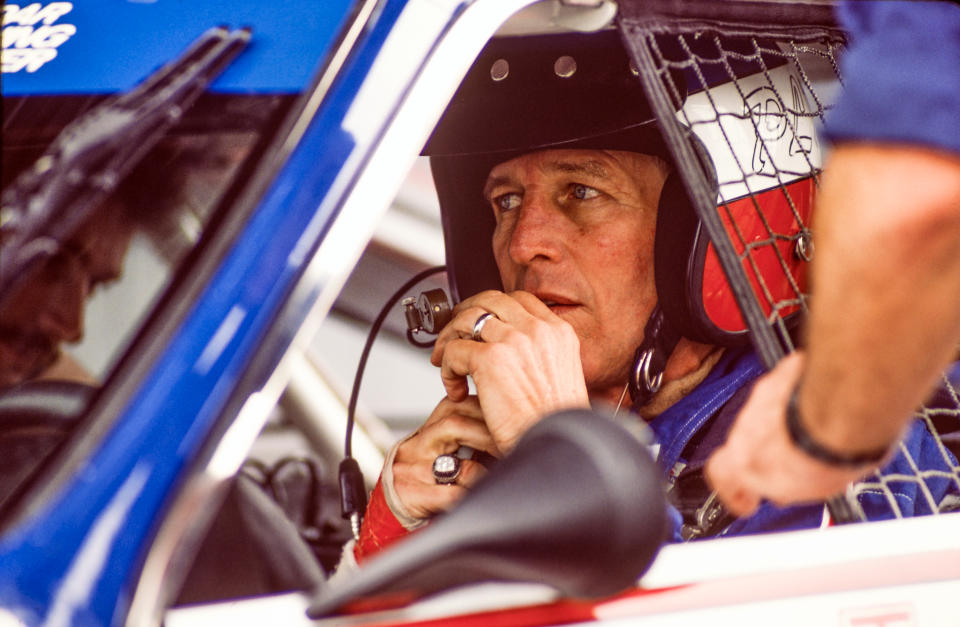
<point x="573" y="242"/>
<point x="574" y="246"/>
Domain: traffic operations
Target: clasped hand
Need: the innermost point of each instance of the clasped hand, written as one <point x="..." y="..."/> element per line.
<point x="526" y="366"/>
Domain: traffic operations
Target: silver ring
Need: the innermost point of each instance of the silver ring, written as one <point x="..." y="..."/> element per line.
<point x="446" y="468"/>
<point x="478" y="325"/>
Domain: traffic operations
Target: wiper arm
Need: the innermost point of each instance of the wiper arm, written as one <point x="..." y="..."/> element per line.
<point x="90" y="157"/>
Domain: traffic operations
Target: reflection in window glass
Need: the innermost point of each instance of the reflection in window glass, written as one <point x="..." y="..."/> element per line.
<point x="82" y="303"/>
<point x="66" y="321"/>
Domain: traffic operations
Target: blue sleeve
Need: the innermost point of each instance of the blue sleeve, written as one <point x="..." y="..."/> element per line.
<point x="675" y="519"/>
<point x="901" y="73"/>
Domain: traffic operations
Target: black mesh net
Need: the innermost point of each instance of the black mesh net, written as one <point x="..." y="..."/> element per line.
<point x="922" y="478"/>
<point x="759" y="80"/>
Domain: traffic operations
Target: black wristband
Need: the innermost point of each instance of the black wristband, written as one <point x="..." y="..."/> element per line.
<point x="803" y="441"/>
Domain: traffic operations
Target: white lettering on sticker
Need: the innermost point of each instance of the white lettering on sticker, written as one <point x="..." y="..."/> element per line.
<point x="29" y="59"/>
<point x="36" y="12"/>
<point x="27" y="45"/>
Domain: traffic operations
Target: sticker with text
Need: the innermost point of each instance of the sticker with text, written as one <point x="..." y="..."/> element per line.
<point x="32" y="33"/>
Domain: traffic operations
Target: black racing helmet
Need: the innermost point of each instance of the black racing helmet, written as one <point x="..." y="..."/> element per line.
<point x="532" y="93"/>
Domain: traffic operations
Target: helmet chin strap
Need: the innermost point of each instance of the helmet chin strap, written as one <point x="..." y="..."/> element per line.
<point x="650" y="359"/>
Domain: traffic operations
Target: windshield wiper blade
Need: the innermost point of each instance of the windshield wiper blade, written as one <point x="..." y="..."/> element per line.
<point x="90" y="157"/>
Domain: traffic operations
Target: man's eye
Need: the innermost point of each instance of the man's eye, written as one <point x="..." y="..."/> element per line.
<point x="506" y="202"/>
<point x="583" y="192"/>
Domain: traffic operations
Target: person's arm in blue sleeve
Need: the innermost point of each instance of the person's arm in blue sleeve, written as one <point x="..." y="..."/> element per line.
<point x="902" y="75"/>
<point x="885" y="312"/>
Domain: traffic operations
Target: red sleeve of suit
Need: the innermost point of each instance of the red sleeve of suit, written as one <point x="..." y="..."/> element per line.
<point x="380" y="527"/>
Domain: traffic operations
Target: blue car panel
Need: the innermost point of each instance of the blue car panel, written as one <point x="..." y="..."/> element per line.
<point x="77" y="561"/>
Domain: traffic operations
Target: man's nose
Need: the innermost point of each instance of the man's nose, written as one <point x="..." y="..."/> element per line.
<point x="537" y="231"/>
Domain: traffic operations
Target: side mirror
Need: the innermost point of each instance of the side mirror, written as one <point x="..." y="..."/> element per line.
<point x="578" y="505"/>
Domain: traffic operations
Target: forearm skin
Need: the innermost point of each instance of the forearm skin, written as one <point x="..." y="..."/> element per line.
<point x="887" y="253"/>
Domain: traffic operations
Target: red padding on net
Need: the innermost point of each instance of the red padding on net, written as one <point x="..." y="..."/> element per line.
<point x="718" y="300"/>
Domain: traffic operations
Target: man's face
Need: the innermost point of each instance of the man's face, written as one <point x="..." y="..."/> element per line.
<point x="576" y="229"/>
<point x="47" y="308"/>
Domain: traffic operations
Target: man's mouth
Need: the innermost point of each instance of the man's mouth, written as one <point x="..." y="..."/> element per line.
<point x="557" y="304"/>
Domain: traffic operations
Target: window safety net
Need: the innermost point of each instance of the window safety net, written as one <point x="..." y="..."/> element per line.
<point x="741" y="90"/>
